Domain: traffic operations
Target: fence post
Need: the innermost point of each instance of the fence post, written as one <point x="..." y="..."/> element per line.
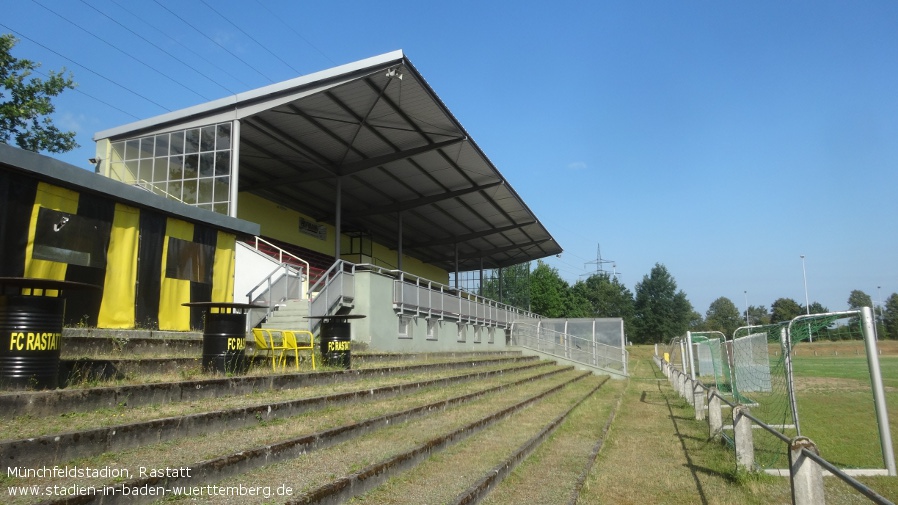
<point x="715" y="418"/>
<point x="805" y="473"/>
<point x="745" y="446"/>
<point x="688" y="391"/>
<point x="681" y="384"/>
<point x="699" y="395"/>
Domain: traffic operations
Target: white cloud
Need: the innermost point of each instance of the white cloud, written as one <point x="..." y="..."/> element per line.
<point x="577" y="165"/>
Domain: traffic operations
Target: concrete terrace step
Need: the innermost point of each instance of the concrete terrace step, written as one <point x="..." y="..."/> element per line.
<point x="64" y="401"/>
<point x="338" y="435"/>
<point x="59" y="447"/>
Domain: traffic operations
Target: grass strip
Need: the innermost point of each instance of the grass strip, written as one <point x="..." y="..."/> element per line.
<point x="451" y="469"/>
<point x="237" y="451"/>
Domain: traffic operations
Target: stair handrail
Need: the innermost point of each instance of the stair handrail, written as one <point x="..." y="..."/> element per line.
<point x="281" y="254"/>
<point x="334" y="286"/>
<point x="288" y="269"/>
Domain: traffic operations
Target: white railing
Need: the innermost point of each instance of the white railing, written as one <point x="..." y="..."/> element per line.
<point x="287" y="257"/>
<point x="334" y="287"/>
<point x="570" y="347"/>
<point x="806" y="467"/>
<point x="283" y="283"/>
<point x="420" y="297"/>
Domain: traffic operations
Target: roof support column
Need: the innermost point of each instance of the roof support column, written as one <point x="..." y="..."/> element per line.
<point x="456" y="265"/>
<point x="399" y="241"/>
<point x="480" y="282"/>
<point x="235" y="167"/>
<point x="338" y="220"/>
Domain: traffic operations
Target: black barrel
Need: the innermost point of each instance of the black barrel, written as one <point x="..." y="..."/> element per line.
<point x="335" y="338"/>
<point x="224" y="343"/>
<point x="30" y="340"/>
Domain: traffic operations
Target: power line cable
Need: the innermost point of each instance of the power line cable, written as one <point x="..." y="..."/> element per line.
<point x="281" y="19"/>
<point x="163" y="74"/>
<point x="88" y="95"/>
<point x="148" y="41"/>
<point x="214" y="41"/>
<point x="182" y="45"/>
<point x="250" y="36"/>
<point x="20" y="34"/>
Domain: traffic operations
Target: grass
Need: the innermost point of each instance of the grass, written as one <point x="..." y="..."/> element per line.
<point x="657" y="453"/>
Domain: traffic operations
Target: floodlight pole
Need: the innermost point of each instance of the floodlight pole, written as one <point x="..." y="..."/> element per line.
<point x="807" y="302"/>
<point x="786" y="342"/>
<point x="879" y="398"/>
<point x="691" y="356"/>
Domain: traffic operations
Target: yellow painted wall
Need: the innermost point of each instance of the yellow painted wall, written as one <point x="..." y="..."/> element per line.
<point x="281" y="223"/>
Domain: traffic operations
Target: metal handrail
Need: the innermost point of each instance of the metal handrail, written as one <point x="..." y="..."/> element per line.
<point x="589" y="347"/>
<point x="282" y="253"/>
<point x="860" y="487"/>
<point x="288" y="269"/>
<point x="851" y="481"/>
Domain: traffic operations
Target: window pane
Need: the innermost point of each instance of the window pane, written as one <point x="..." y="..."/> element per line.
<point x="177" y="143"/>
<point x="192" y="141"/>
<point x="221" y="208"/>
<point x="146" y="147"/>
<point x="130" y="171"/>
<point x="205" y="191"/>
<point x="223" y="136"/>
<point x="176" y="168"/>
<point x="160" y="169"/>
<point x="208" y="139"/>
<point x="118" y="151"/>
<point x="222" y="189"/>
<point x="191" y="165"/>
<point x="174" y="189"/>
<point x="146" y="171"/>
<point x="189" y="261"/>
<point x="206" y="164"/>
<point x="188" y="193"/>
<point x="161" y="145"/>
<point x="132" y="149"/>
<point x="223" y="163"/>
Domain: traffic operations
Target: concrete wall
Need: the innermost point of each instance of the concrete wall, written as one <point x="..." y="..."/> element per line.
<point x="381" y="331"/>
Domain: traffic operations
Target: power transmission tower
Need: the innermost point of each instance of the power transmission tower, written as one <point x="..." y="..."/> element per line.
<point x="599" y="262"/>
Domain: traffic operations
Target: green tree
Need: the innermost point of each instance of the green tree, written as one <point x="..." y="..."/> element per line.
<point x="26" y="105"/>
<point x="661" y="311"/>
<point x="696" y="322"/>
<point x="784" y="309"/>
<point x="758" y="315"/>
<point x="605" y="296"/>
<point x="723" y="316"/>
<point x="548" y="291"/>
<point x="858" y="299"/>
<point x="509" y="285"/>
<point x="818" y="308"/>
<point x="890" y="317"/>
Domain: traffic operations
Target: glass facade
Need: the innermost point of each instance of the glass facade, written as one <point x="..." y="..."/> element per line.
<point x="192" y="166"/>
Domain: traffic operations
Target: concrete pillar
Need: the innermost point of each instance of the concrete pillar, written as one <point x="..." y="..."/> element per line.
<point x="745" y="446"/>
<point x="715" y="418"/>
<point x="688" y="391"/>
<point x="681" y="383"/>
<point x="699" y="403"/>
<point x="807" y="475"/>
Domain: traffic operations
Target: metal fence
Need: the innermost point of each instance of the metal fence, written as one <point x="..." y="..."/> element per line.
<point x="589" y="348"/>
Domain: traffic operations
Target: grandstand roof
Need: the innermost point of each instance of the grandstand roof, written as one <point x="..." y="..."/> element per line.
<point x="369" y="145"/>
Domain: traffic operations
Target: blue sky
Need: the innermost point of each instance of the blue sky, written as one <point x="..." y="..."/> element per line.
<point x="721" y="139"/>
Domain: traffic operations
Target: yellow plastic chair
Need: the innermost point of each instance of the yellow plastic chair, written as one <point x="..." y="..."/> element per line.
<point x="290" y="343"/>
<point x="265" y="341"/>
